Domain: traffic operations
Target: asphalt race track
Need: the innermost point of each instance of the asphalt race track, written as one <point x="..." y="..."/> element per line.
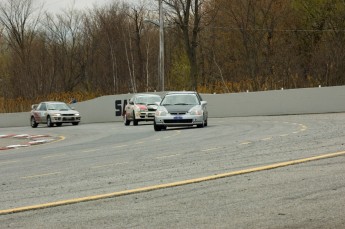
<point x="245" y="172"/>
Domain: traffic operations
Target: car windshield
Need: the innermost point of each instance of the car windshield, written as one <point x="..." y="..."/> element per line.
<point x="147" y="99"/>
<point x="180" y="99"/>
<point x="58" y="106"/>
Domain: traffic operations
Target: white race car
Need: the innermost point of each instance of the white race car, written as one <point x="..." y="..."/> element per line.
<point x="53" y="112"/>
<point x="141" y="107"/>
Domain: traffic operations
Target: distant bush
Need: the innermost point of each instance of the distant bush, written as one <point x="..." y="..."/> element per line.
<point x="24" y="104"/>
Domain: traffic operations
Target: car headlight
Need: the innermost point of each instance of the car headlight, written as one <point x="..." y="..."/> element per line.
<point x="57" y="115"/>
<point x="139" y="108"/>
<point x="196" y="111"/>
<point x="77" y="114"/>
<point x="161" y="111"/>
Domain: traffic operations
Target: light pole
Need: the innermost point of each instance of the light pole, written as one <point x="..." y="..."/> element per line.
<point x="161" y="45"/>
<point x="160" y="24"/>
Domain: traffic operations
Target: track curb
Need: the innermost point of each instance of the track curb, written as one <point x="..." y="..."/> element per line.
<point x="23" y="140"/>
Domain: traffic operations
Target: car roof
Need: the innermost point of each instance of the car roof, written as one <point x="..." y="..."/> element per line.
<point x="181" y="92"/>
<point x="52" y="102"/>
<point x="185" y="93"/>
<point x="146" y="95"/>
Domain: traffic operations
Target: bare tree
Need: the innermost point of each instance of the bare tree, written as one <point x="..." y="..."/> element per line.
<point x="137" y="17"/>
<point x="20" y="22"/>
<point x="187" y="14"/>
<point x="109" y="34"/>
<point x="65" y="33"/>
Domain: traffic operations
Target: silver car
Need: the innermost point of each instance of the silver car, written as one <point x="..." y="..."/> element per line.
<point x="53" y="112"/>
<point x="184" y="108"/>
<point x="141" y="107"/>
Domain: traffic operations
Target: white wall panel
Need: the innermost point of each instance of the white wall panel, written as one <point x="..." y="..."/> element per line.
<point x="279" y="102"/>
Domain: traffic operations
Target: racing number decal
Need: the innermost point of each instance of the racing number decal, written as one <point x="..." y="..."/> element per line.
<point x="120" y="107"/>
<point x="37" y="116"/>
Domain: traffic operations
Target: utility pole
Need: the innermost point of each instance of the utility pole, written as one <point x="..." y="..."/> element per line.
<point x="161" y="45"/>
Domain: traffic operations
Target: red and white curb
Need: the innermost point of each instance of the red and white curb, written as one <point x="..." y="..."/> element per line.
<point x="33" y="140"/>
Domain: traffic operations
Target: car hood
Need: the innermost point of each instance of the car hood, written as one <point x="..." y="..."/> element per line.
<point x="152" y="106"/>
<point x="148" y="106"/>
<point x="63" y="112"/>
<point x="179" y="108"/>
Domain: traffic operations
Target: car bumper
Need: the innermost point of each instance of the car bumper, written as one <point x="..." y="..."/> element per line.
<point x="184" y="120"/>
<point x="145" y="116"/>
<point x="65" y="119"/>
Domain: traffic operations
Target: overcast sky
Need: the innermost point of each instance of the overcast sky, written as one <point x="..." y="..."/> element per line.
<point x="58" y="5"/>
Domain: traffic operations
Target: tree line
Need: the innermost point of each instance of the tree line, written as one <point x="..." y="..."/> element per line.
<point x="213" y="46"/>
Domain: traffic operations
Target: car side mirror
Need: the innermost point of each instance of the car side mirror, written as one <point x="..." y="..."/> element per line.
<point x="157" y="103"/>
<point x="131" y="102"/>
<point x="203" y="103"/>
<point x="34" y="107"/>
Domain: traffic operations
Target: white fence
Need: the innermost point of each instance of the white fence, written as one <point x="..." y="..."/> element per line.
<point x="280" y="102"/>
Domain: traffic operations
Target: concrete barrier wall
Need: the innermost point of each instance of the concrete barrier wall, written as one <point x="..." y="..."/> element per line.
<point x="280" y="102"/>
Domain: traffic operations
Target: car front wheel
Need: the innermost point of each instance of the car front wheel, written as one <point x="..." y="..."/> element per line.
<point x="49" y="122"/>
<point x="126" y="121"/>
<point x="201" y="125"/>
<point x="135" y="122"/>
<point x="156" y="127"/>
<point x="34" y="124"/>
